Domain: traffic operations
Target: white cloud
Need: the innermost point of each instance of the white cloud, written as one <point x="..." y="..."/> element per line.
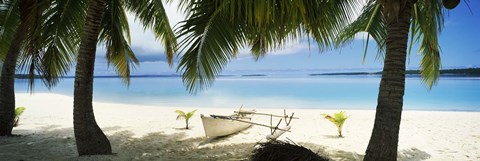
<point x="293" y="47"/>
<point x="362" y="36"/>
<point x="145" y="40"/>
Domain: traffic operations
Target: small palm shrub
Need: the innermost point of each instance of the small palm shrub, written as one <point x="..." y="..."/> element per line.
<point x="338" y="119"/>
<point x="18" y="112"/>
<point x="185" y="116"/>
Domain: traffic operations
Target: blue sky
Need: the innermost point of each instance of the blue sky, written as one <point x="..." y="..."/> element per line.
<point x="459" y="41"/>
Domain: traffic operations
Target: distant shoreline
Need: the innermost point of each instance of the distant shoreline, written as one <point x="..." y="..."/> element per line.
<point x="474" y="72"/>
<point x="463" y="72"/>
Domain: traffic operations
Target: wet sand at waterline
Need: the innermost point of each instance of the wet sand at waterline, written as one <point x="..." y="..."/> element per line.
<point x="139" y="132"/>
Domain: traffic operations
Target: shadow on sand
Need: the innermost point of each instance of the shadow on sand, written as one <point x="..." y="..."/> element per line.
<point x="54" y="143"/>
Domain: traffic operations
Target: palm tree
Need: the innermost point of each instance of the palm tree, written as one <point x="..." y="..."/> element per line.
<point x="106" y="22"/>
<point x="7" y="96"/>
<point x="389" y="23"/>
<point x="38" y="41"/>
<point x="214" y="31"/>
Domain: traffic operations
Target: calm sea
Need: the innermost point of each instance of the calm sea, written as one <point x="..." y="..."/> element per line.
<point x="323" y="92"/>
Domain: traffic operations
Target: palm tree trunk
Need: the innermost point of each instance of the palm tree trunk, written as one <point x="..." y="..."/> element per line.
<point x="7" y="94"/>
<point x="89" y="137"/>
<point x="384" y="139"/>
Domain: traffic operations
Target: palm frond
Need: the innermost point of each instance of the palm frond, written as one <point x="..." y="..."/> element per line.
<point x="152" y="15"/>
<point x="31" y="19"/>
<point x="181" y="114"/>
<point x="212" y="42"/>
<point x="190" y="114"/>
<point x="338" y="119"/>
<point x="327" y="19"/>
<point x="56" y="41"/>
<point x="115" y="34"/>
<point x="214" y="30"/>
<point x="10" y="18"/>
<point x="370" y="21"/>
<point x="19" y="111"/>
<point x="428" y="18"/>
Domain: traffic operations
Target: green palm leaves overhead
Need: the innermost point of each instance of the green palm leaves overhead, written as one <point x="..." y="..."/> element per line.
<point x="56" y="41"/>
<point x="370" y="21"/>
<point x="214" y="31"/>
<point x="115" y="32"/>
<point x="9" y="20"/>
<point x="427" y="23"/>
<point x="51" y="40"/>
<point x="152" y="15"/>
<point x="38" y="41"/>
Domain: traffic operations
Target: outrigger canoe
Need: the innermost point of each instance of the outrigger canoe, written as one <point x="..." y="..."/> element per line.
<point x="216" y="126"/>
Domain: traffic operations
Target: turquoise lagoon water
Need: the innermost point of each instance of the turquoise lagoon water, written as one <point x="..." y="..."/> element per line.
<point x="322" y="92"/>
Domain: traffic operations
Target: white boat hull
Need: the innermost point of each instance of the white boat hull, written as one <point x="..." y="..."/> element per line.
<point x="215" y="127"/>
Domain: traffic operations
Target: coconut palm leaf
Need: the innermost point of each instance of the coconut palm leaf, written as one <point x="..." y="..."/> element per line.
<point x="115" y="34"/>
<point x="427" y="23"/>
<point x="190" y="114"/>
<point x="53" y="43"/>
<point x="370" y="21"/>
<point x="18" y="112"/>
<point x="215" y="30"/>
<point x="428" y="18"/>
<point x="180" y="113"/>
<point x="31" y="20"/>
<point x="10" y="18"/>
<point x="152" y="15"/>
<point x="211" y="41"/>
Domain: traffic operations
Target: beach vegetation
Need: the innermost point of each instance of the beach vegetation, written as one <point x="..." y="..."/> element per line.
<point x="18" y="112"/>
<point x="186" y="116"/>
<point x="338" y="119"/>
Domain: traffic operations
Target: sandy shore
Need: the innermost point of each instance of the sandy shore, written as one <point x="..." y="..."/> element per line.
<point x="152" y="133"/>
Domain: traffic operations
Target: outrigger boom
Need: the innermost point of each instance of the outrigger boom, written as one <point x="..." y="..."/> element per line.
<point x="265" y="114"/>
<point x="253" y="123"/>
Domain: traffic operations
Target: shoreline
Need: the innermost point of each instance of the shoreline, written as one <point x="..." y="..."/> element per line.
<point x="139" y="132"/>
<point x="426" y="109"/>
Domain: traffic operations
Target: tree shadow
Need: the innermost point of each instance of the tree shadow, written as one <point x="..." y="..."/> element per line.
<point x="412" y="154"/>
<point x="332" y="136"/>
<point x="59" y="144"/>
<point x="48" y="143"/>
<point x="55" y="143"/>
<point x="337" y="155"/>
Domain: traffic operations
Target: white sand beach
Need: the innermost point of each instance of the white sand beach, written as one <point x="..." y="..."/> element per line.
<point x="152" y="133"/>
